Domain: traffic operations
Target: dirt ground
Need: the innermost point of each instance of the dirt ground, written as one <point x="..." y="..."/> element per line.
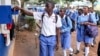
<point x="25" y="45"/>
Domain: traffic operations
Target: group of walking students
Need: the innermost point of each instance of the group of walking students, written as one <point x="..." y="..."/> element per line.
<point x="56" y="28"/>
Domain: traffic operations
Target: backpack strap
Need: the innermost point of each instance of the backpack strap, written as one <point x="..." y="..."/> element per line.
<point x="96" y="15"/>
<point x="66" y="19"/>
<point x="42" y="16"/>
<point x="56" y="17"/>
<point x="90" y="19"/>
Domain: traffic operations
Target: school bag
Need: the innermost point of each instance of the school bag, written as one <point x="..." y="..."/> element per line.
<point x="96" y="15"/>
<point x="73" y="24"/>
<point x="91" y="31"/>
<point x="72" y="29"/>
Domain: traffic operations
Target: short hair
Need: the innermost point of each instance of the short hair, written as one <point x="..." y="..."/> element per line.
<point x="80" y="10"/>
<point x="85" y="7"/>
<point x="63" y="9"/>
<point x="50" y="2"/>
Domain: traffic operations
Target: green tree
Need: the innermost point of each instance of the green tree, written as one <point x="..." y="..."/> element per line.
<point x="44" y="0"/>
<point x="68" y="2"/>
<point x="22" y="2"/>
<point x="92" y="1"/>
<point x="55" y="1"/>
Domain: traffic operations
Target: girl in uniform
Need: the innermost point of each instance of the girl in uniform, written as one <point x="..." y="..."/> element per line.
<point x="65" y="32"/>
<point x="81" y="36"/>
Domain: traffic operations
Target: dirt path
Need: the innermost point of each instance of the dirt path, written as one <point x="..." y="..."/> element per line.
<point x="25" y="45"/>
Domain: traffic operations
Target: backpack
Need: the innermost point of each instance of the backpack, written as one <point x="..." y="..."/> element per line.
<point x="96" y="15"/>
<point x="66" y="20"/>
<point x="91" y="31"/>
<point x="73" y="25"/>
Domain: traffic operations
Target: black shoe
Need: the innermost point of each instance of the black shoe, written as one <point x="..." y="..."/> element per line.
<point x="92" y="45"/>
<point x="70" y="54"/>
<point x="77" y="51"/>
<point x="94" y="42"/>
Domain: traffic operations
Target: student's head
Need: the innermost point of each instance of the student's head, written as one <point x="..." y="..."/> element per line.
<point x="49" y="6"/>
<point x="62" y="12"/>
<point x="85" y="9"/>
<point x="80" y="11"/>
<point x="91" y="9"/>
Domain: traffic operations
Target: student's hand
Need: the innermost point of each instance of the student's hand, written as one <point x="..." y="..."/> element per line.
<point x="5" y="35"/>
<point x="17" y="8"/>
<point x="85" y="23"/>
<point x="57" y="47"/>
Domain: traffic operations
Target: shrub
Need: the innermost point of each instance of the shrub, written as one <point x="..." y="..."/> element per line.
<point x="31" y="22"/>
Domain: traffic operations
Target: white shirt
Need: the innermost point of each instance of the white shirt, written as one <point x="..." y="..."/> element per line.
<point x="49" y="23"/>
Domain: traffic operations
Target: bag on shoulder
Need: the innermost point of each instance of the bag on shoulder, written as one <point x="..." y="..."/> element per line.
<point x="91" y="31"/>
<point x="73" y="24"/>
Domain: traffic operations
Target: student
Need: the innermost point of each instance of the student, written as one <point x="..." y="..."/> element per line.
<point x="82" y="37"/>
<point x="65" y="32"/>
<point x="78" y="29"/>
<point x="94" y="16"/>
<point x="50" y="29"/>
<point x="70" y="12"/>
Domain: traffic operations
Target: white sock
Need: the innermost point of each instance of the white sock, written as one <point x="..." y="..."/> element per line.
<point x="71" y="50"/>
<point x="8" y="40"/>
<point x="92" y="44"/>
<point x="78" y="45"/>
<point x="64" y="51"/>
<point x="86" y="51"/>
<point x="92" y="41"/>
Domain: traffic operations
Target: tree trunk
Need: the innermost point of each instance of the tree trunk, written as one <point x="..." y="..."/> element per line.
<point x="22" y="3"/>
<point x="92" y="5"/>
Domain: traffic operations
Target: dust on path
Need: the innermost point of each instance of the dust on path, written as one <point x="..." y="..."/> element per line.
<point x="25" y="45"/>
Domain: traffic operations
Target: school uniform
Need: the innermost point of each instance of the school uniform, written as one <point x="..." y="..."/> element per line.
<point x="81" y="36"/>
<point x="80" y="29"/>
<point x="94" y="16"/>
<point x="65" y="30"/>
<point x="68" y="11"/>
<point x="48" y="32"/>
<point x="65" y="35"/>
<point x="74" y="15"/>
